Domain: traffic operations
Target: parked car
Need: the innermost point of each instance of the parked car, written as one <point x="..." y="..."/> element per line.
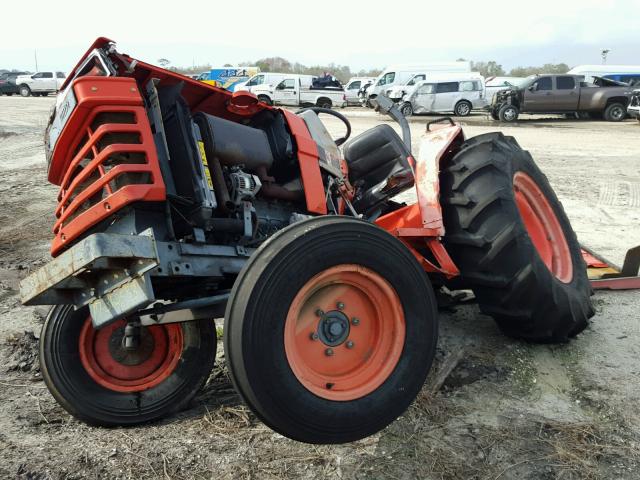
<point x="400" y="74"/>
<point x="40" y="83"/>
<point x="561" y="94"/>
<point x="8" y="83"/>
<point x="457" y="93"/>
<point x="634" y="105"/>
<point x="261" y="80"/>
<point x="298" y="90"/>
<point x="353" y="87"/>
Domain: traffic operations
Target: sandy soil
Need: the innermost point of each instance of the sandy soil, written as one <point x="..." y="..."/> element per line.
<point x="509" y="410"/>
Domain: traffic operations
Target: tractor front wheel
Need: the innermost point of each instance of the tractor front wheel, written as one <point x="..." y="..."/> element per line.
<point x="100" y="379"/>
<point x="330" y="330"/>
<point x="508" y="234"/>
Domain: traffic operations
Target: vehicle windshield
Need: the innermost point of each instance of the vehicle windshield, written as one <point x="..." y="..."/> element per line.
<point x="415" y="79"/>
<point x="256" y="80"/>
<point x="527" y="82"/>
<point x="387" y="78"/>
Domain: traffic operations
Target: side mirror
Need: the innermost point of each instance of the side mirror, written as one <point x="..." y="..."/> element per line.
<point x="280" y="87"/>
<point x="532" y="88"/>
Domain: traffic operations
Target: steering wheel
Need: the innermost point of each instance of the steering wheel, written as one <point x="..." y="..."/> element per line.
<point x="329" y="111"/>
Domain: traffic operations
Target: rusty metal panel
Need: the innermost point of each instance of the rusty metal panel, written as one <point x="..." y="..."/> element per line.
<point x="71" y="277"/>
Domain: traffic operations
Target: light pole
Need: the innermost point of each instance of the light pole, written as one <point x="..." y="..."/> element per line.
<point x="603" y="54"/>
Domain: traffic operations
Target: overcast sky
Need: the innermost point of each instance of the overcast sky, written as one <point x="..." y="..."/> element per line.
<point x="361" y="34"/>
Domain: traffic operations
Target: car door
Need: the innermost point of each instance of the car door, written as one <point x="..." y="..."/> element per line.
<point x="566" y="93"/>
<point x="351" y="91"/>
<point x="537" y="97"/>
<point x="286" y="92"/>
<point x="446" y="96"/>
<point x="48" y="81"/>
<point x="38" y="82"/>
<point x="472" y="91"/>
<point x="424" y="98"/>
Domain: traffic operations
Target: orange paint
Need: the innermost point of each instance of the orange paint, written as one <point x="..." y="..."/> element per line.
<point x="378" y="337"/>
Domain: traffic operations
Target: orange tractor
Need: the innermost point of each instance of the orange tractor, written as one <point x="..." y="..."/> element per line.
<point x="181" y="202"/>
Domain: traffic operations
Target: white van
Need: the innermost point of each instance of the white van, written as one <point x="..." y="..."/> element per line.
<point x="619" y="73"/>
<point x="456" y="93"/>
<point x="353" y="87"/>
<point x="401" y="74"/>
<point x="270" y="79"/>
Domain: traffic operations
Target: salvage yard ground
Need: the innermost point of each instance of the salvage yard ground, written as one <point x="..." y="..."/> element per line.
<point x="507" y="410"/>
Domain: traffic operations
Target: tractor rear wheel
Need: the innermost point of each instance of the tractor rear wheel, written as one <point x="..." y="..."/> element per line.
<point x="512" y="241"/>
<point x="330" y="330"/>
<point x="100" y="381"/>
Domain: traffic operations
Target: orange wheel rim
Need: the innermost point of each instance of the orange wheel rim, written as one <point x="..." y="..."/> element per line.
<point x="113" y="367"/>
<point x="543" y="227"/>
<point x="344" y="333"/>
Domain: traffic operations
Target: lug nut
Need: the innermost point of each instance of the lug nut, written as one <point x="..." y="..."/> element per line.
<point x="319" y="312"/>
<point x="355" y="321"/>
<point x="349" y="344"/>
<point x="340" y="306"/>
<point x="328" y="352"/>
<point x="313" y="336"/>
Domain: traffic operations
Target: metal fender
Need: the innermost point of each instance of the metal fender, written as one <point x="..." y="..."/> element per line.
<point x="438" y="143"/>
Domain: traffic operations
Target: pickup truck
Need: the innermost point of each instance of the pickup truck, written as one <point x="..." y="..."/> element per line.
<point x="298" y="90"/>
<point x="564" y="94"/>
<point x="634" y="105"/>
<point x="40" y="83"/>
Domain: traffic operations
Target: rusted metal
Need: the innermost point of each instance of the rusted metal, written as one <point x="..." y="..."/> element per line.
<point x="605" y="275"/>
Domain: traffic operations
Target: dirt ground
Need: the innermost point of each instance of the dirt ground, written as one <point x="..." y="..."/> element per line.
<point x="509" y="410"/>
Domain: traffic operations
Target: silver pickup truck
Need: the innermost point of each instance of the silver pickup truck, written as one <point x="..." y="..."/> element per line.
<point x="563" y="94"/>
<point x="40" y="83"/>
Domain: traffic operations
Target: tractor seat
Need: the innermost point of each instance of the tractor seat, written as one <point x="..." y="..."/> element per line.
<point x="378" y="167"/>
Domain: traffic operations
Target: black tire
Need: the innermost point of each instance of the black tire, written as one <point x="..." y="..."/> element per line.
<point x="324" y="103"/>
<point x="44" y="94"/>
<point x="462" y="108"/>
<point x="508" y="113"/>
<point x="616" y="112"/>
<point x="406" y="109"/>
<point x="265" y="99"/>
<point x="495" y="115"/>
<point x="85" y="399"/>
<point x="487" y="239"/>
<point x="255" y="328"/>
<point x="25" y="91"/>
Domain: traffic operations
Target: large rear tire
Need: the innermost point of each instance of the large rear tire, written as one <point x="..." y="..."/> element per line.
<point x="330" y="330"/>
<point x="99" y="382"/>
<point x="512" y="241"/>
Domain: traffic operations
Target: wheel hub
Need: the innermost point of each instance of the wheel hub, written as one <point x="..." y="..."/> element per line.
<point x="347" y="352"/>
<point x="126" y="355"/>
<point x="123" y="359"/>
<point x="333" y="328"/>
